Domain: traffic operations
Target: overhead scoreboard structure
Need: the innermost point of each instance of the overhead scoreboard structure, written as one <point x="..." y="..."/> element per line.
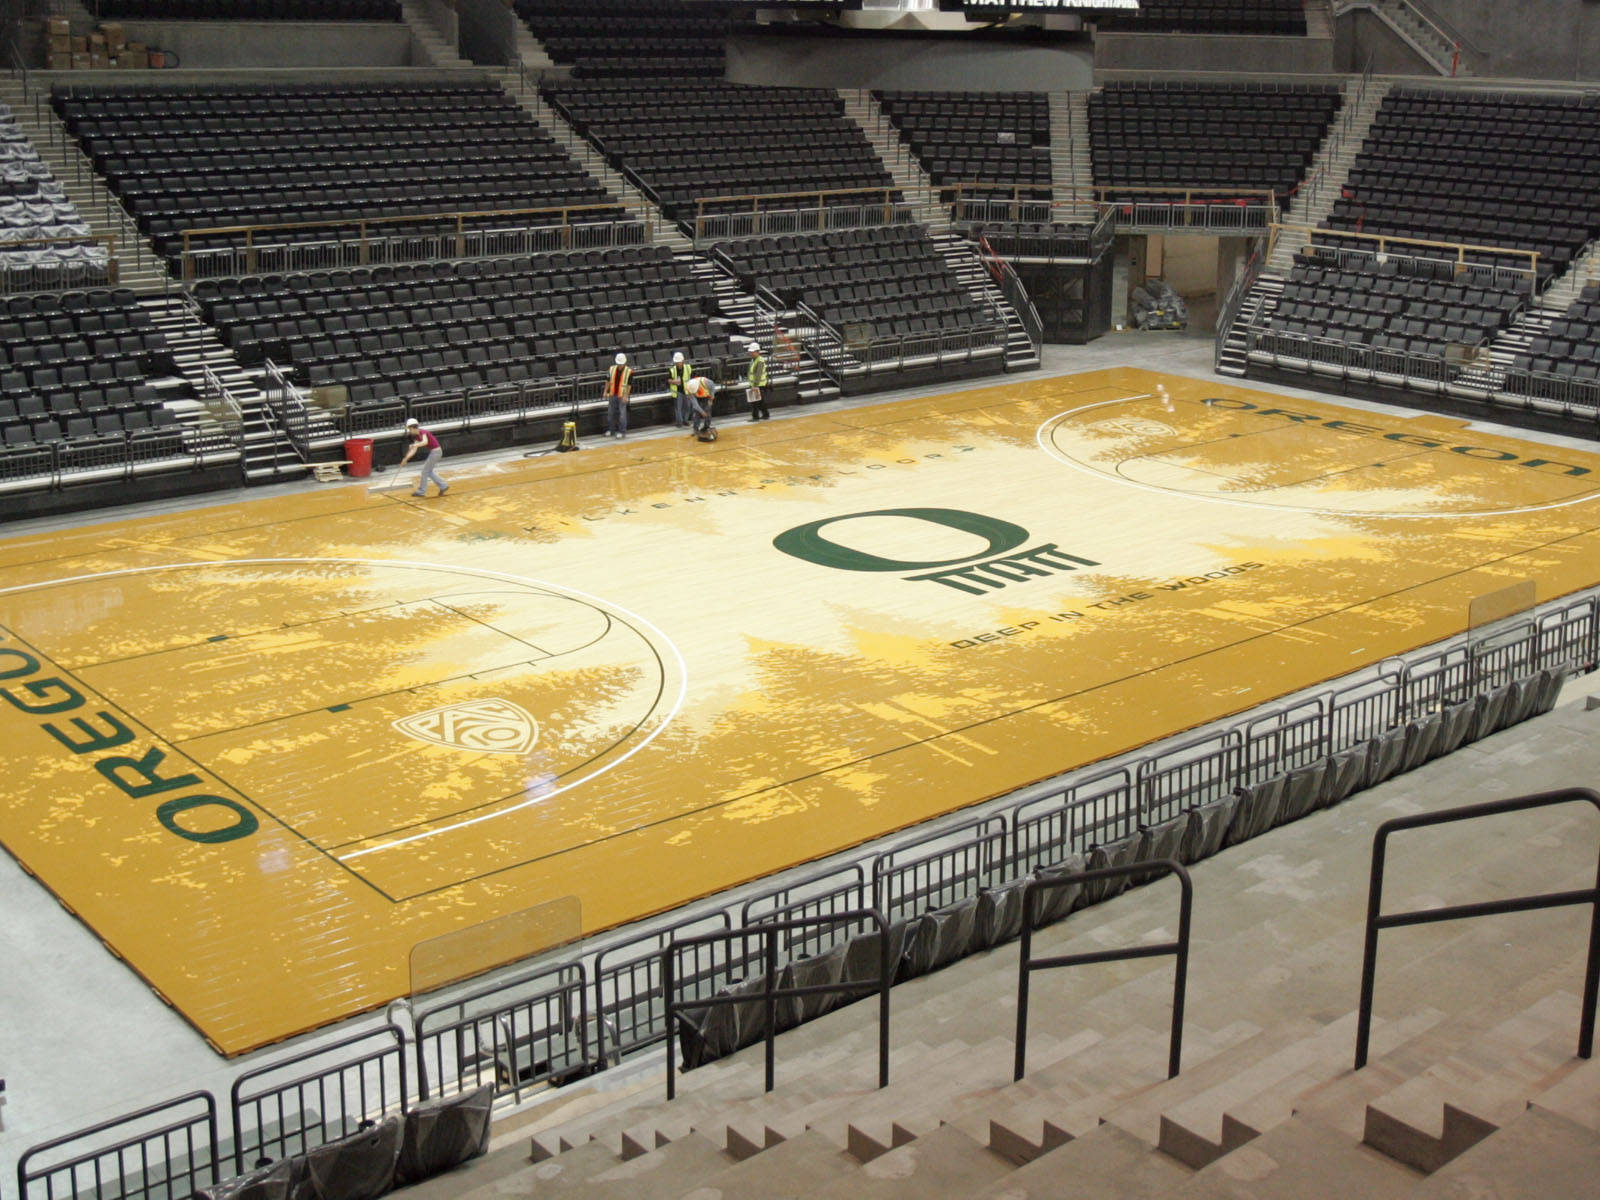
<point x="266" y="749"/>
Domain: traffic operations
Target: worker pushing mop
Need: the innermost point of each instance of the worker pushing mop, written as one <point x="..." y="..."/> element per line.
<point x="421" y="437"/>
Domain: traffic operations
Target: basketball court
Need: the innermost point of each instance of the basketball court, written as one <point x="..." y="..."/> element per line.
<point x="266" y="749"/>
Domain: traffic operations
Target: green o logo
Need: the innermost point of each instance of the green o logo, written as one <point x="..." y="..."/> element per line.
<point x="806" y="541"/>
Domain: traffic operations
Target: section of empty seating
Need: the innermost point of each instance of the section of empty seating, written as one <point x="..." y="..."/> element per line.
<point x="696" y="140"/>
<point x="976" y="137"/>
<point x="390" y="332"/>
<point x="1563" y="362"/>
<point x="1038" y="239"/>
<point x="628" y="38"/>
<point x="196" y="157"/>
<point x="888" y="280"/>
<point x="249" y="10"/>
<point x="1247" y="136"/>
<point x="1399" y="307"/>
<point x="76" y="390"/>
<point x="1286" y="17"/>
<point x="34" y="212"/>
<point x="1502" y="169"/>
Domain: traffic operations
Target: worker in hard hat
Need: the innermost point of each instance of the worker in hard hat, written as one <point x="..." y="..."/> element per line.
<point x="755" y="383"/>
<point x="678" y="375"/>
<point x="619" y="386"/>
<point x="702" y="392"/>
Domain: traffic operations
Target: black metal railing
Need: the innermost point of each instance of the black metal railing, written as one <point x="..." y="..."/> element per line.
<point x="830" y="893"/>
<point x="953" y="865"/>
<point x="1027" y="964"/>
<point x="165" y="1151"/>
<point x="516" y="1033"/>
<point x="1377" y="920"/>
<point x="278" y="1113"/>
<point x="771" y="992"/>
<point x="627" y="984"/>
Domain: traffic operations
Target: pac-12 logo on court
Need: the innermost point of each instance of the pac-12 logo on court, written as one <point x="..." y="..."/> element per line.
<point x="479" y="726"/>
<point x="999" y="564"/>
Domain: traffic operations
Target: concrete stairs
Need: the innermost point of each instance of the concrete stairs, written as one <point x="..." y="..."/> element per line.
<point x="958" y="252"/>
<point x="1319" y="18"/>
<point x="913" y="182"/>
<point x="1071" y="167"/>
<point x="430" y="45"/>
<point x="638" y="206"/>
<point x="1258" y="304"/>
<point x="1329" y="170"/>
<point x="1435" y="47"/>
<point x="748" y="316"/>
<point x="1533" y="321"/>
<point x="138" y="265"/>
<point x="530" y="51"/>
<point x="268" y="455"/>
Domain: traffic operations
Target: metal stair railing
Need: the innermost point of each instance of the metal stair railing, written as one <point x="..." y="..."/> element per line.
<point x="771" y="993"/>
<point x="1027" y="964"/>
<point x="1377" y="920"/>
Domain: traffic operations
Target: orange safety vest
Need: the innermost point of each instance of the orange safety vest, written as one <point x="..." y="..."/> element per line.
<point x="617" y="384"/>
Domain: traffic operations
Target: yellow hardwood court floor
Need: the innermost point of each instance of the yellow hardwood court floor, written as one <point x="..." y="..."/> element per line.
<point x="265" y="749"/>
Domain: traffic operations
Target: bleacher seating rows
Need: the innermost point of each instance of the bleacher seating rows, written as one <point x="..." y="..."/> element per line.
<point x="187" y="157"/>
<point x="442" y="327"/>
<point x="1401" y="305"/>
<point x="969" y="137"/>
<point x="1249" y="136"/>
<point x="249" y="10"/>
<point x="725" y="139"/>
<point x="1286" y="17"/>
<point x="1569" y="347"/>
<point x="625" y="39"/>
<point x="890" y="277"/>
<point x="32" y="207"/>
<point x="75" y="369"/>
<point x="1502" y="169"/>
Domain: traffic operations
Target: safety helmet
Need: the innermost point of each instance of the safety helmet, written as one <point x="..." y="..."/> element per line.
<point x="411" y="422"/>
<point x="677" y="356"/>
<point x="754" y="347"/>
<point x="622" y="360"/>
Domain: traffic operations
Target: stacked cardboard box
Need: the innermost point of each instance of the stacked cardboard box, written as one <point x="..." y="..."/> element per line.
<point x="107" y="48"/>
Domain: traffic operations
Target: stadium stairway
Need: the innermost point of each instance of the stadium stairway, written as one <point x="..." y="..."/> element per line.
<point x="1307" y="210"/>
<point x="638" y="206"/>
<point x="1472" y="1088"/>
<point x="863" y="108"/>
<point x="139" y="267"/>
<point x="429" y="43"/>
<point x="1433" y="44"/>
<point x="1072" y="171"/>
<point x="962" y="258"/>
<point x="751" y="317"/>
<point x="269" y="457"/>
<point x="1329" y="170"/>
<point x="1532" y="322"/>
<point x="1319" y="18"/>
<point x="1263" y="298"/>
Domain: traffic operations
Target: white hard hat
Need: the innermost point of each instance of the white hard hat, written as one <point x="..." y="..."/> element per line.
<point x="622" y="360"/>
<point x="410" y="421"/>
<point x="754" y="347"/>
<point x="677" y="356"/>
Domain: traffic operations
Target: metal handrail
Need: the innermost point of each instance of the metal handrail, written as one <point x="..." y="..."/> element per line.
<point x="1027" y="964"/>
<point x="770" y="993"/>
<point x="721" y="226"/>
<point x="282" y="1136"/>
<point x="1377" y="920"/>
<point x="369" y="230"/>
<point x="195" y="1168"/>
<point x="1386" y="243"/>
